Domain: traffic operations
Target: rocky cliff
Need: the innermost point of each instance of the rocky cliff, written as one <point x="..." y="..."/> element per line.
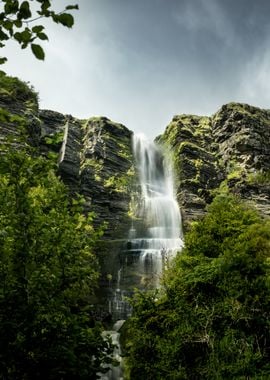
<point x="229" y="151"/>
<point x="94" y="156"/>
<point x="95" y="161"/>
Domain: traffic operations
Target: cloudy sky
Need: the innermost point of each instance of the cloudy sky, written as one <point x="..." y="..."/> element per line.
<point x="139" y="62"/>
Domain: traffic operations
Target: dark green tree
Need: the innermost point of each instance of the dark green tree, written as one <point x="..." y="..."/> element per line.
<point x="211" y="319"/>
<point x="48" y="274"/>
<point x="20" y="21"/>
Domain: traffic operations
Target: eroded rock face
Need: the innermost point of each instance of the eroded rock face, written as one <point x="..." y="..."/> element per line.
<point x="229" y="149"/>
<point x="107" y="163"/>
<point x="196" y="169"/>
<point x="242" y="134"/>
<point x="94" y="156"/>
<point x="95" y="161"/>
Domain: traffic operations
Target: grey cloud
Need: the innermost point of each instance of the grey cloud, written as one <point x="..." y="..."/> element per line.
<point x="140" y="62"/>
<point x="206" y="15"/>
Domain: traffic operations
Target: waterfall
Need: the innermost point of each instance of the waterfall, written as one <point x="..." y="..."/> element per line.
<point x="155" y="236"/>
<point x="156" y="233"/>
<point x="64" y="144"/>
<point x="160" y="235"/>
<point x="114" y="373"/>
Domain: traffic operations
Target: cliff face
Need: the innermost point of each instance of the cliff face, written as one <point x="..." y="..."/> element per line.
<point x="94" y="156"/>
<point x="190" y="139"/>
<point x="229" y="150"/>
<point x="95" y="161"/>
<point x="242" y="133"/>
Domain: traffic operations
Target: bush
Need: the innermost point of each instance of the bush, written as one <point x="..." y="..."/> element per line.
<point x="16" y="89"/>
<point x="48" y="274"/>
<point x="211" y="320"/>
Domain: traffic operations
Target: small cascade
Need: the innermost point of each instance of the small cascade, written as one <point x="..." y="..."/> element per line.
<point x="156" y="234"/>
<point x="114" y="373"/>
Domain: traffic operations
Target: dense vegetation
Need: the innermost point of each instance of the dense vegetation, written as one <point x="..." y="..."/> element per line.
<point x="211" y="319"/>
<point x="47" y="276"/>
<point x="48" y="272"/>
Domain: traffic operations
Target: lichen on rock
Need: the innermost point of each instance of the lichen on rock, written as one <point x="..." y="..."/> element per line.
<point x="229" y="149"/>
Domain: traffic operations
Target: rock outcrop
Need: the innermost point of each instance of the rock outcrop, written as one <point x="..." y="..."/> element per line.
<point x="196" y="170"/>
<point x="229" y="150"/>
<point x="94" y="156"/>
<point x="242" y="135"/>
<point x="18" y="110"/>
<point x="95" y="161"/>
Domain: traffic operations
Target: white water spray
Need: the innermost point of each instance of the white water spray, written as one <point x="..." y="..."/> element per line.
<point x="156" y="234"/>
<point x="158" y="209"/>
<point x="153" y="239"/>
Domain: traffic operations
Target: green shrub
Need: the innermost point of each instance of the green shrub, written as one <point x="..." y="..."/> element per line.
<point x="211" y="319"/>
<point x="17" y="89"/>
<point x="259" y="178"/>
<point x="48" y="273"/>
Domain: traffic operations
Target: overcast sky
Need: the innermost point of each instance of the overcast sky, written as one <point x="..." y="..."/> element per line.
<point x="139" y="62"/>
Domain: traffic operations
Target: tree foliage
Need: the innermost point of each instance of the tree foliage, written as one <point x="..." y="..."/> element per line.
<point x="18" y="21"/>
<point x="211" y="320"/>
<point x="47" y="277"/>
<point x="12" y="90"/>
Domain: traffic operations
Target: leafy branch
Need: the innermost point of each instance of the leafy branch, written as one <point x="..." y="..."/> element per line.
<point x="16" y="17"/>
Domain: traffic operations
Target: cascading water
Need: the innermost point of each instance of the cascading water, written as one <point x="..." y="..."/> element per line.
<point x="154" y="238"/>
<point x="156" y="234"/>
<point x="161" y="235"/>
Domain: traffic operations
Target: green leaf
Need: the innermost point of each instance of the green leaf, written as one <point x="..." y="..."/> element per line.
<point x="70" y="7"/>
<point x="42" y="36"/>
<point x="11" y="7"/>
<point x="37" y="28"/>
<point x="38" y="51"/>
<point x="45" y="6"/>
<point x="3" y="60"/>
<point x="8" y="25"/>
<point x="66" y="19"/>
<point x="24" y="12"/>
<point x="18" y="23"/>
<point x="26" y="35"/>
<point x="18" y="37"/>
<point x="3" y="35"/>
